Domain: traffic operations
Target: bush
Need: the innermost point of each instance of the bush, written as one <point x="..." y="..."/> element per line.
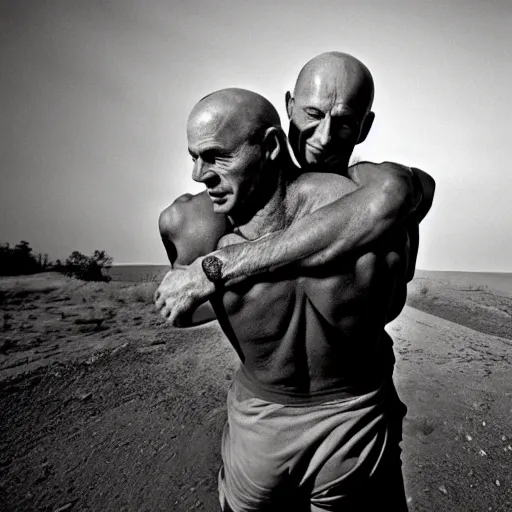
<point x="88" y="268"/>
<point x="20" y="260"/>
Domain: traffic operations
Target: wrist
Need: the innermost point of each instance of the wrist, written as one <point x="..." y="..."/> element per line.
<point x="204" y="287"/>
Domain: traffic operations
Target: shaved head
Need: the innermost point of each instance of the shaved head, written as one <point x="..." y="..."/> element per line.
<point x="330" y="111"/>
<point x="337" y="72"/>
<point x="240" y="113"/>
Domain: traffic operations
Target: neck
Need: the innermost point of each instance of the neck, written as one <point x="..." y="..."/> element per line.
<point x="340" y="168"/>
<point x="268" y="218"/>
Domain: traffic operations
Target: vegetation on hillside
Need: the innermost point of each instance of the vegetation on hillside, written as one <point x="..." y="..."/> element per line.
<point x="22" y="260"/>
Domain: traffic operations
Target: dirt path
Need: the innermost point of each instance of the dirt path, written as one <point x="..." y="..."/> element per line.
<point x="136" y="425"/>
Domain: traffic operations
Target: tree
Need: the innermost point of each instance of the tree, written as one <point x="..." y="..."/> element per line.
<point x="88" y="268"/>
<point x="21" y="259"/>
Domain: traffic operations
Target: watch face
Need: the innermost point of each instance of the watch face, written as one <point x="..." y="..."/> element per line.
<point x="212" y="267"/>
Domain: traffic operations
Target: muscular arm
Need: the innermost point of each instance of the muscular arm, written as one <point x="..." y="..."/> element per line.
<point x="388" y="194"/>
<point x="189" y="229"/>
<point x="428" y="186"/>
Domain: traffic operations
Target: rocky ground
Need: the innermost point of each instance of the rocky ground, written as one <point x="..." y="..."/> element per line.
<point x="104" y="407"/>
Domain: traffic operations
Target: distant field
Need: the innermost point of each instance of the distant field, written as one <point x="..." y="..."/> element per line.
<point x="498" y="281"/>
<point x="138" y="273"/>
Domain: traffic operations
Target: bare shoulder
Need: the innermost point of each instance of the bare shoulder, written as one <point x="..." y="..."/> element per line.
<point x="362" y="171"/>
<point x="190" y="228"/>
<point x="189" y="210"/>
<point x="417" y="182"/>
<point x="178" y="212"/>
<point x="312" y="190"/>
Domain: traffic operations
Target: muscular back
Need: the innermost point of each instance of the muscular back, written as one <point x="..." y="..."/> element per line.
<point x="321" y="334"/>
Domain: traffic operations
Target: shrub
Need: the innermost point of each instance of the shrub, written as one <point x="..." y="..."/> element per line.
<point x="21" y="259"/>
<point x="88" y="268"/>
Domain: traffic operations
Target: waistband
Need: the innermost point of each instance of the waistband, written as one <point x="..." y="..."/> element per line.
<point x="285" y="396"/>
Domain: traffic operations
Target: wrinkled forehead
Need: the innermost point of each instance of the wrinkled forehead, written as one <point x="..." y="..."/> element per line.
<point x="207" y="124"/>
<point x="340" y="91"/>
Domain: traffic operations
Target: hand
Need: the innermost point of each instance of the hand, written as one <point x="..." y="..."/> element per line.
<point x="182" y="290"/>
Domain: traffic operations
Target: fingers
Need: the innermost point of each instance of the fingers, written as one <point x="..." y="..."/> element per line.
<point x="159" y="300"/>
<point x="169" y="312"/>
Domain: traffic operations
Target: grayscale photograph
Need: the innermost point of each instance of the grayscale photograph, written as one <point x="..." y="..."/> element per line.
<point x="255" y="256"/>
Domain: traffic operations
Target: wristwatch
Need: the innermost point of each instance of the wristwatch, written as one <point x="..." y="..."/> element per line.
<point x="212" y="268"/>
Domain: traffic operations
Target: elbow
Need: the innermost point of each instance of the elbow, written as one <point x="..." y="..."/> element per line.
<point x="397" y="196"/>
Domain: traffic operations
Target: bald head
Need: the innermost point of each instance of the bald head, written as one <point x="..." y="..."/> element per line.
<point x="237" y="113"/>
<point x="330" y="111"/>
<point x="340" y="74"/>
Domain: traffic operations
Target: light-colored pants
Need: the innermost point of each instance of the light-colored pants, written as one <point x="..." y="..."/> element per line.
<point x="341" y="455"/>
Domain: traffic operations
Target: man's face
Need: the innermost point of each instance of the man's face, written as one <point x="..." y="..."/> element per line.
<point x="228" y="165"/>
<point x="325" y="125"/>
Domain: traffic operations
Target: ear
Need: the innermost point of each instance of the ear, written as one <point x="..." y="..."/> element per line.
<point x="367" y="124"/>
<point x="289" y="104"/>
<point x="272" y="143"/>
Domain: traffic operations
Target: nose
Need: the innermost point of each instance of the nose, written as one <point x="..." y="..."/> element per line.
<point x="203" y="174"/>
<point x="198" y="171"/>
<point x="324" y="130"/>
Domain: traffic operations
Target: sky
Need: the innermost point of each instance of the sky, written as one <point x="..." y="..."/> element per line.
<point x="96" y="95"/>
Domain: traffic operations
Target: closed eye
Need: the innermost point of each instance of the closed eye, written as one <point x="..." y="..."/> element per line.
<point x="314" y="113"/>
<point x="344" y="123"/>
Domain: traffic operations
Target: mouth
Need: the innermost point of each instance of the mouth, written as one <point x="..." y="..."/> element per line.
<point x="216" y="193"/>
<point x="314" y="149"/>
<point x="217" y="196"/>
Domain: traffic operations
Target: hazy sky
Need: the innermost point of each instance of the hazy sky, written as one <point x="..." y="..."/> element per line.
<point x="95" y="96"/>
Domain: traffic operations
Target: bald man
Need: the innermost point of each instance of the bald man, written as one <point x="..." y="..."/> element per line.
<point x="312" y="410"/>
<point x="329" y="113"/>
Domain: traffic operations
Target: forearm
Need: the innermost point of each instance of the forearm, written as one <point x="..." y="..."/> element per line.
<point x="333" y="231"/>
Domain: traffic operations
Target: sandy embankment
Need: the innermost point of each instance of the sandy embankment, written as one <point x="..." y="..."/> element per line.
<point x="106" y="408"/>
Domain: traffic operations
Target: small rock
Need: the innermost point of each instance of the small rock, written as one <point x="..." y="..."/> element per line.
<point x="497" y="483"/>
<point x="503" y="438"/>
<point x="85" y="396"/>
<point x="483" y="423"/>
<point x="65" y="507"/>
<point x="409" y="500"/>
<point x="468" y="437"/>
<point x="442" y="488"/>
<point x="482" y="453"/>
